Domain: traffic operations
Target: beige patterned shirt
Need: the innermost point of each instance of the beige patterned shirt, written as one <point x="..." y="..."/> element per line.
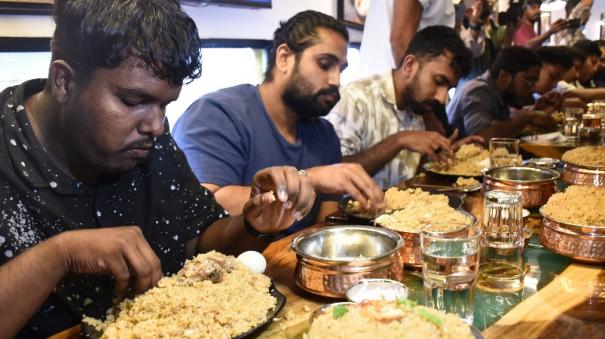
<point x="365" y="115"/>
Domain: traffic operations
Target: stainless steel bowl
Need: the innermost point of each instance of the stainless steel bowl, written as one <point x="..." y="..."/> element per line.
<point x="330" y="259"/>
<point x="535" y="184"/>
<point x="549" y="163"/>
<point x="377" y="289"/>
<point x="583" y="175"/>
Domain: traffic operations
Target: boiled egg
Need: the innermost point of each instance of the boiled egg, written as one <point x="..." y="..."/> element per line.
<point x="254" y="261"/>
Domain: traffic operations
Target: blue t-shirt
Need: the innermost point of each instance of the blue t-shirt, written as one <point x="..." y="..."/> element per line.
<point x="228" y="136"/>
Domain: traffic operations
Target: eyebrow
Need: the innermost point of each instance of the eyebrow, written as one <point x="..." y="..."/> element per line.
<point x="334" y="59"/>
<point x="445" y="79"/>
<point x="142" y="94"/>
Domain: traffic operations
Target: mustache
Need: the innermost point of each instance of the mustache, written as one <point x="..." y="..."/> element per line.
<point x="140" y="144"/>
<point x="329" y="91"/>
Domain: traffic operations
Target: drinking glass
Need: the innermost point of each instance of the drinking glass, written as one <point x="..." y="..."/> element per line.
<point x="502" y="243"/>
<point x="504" y="152"/>
<point x="571" y="122"/>
<point x="450" y="261"/>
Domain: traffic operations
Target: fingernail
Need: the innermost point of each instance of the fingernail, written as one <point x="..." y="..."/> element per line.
<point x="297" y="215"/>
<point x="288" y="205"/>
<point x="282" y="194"/>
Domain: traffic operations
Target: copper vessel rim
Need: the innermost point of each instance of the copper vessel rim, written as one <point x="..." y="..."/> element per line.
<point x="554" y="175"/>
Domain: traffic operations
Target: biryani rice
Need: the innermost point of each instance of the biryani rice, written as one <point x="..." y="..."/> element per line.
<point x="469" y="160"/>
<point x="593" y="156"/>
<point x="182" y="306"/>
<point x="382" y="319"/>
<point x="582" y="205"/>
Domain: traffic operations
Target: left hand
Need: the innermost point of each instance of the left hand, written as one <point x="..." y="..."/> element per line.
<point x="468" y="140"/>
<point x="280" y="196"/>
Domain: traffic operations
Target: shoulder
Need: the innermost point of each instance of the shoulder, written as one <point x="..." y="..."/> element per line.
<point x="232" y="100"/>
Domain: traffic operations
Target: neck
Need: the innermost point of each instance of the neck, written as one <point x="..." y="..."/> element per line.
<point x="45" y="118"/>
<point x="527" y="21"/>
<point x="284" y="118"/>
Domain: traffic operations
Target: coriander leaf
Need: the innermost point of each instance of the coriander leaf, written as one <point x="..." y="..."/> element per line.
<point x="406" y="302"/>
<point x="338" y="311"/>
<point x="435" y="319"/>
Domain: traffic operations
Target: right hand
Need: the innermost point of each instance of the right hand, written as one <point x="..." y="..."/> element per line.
<point x="122" y="252"/>
<point x="557" y="26"/>
<point x="541" y="119"/>
<point x="348" y="178"/>
<point x="434" y="145"/>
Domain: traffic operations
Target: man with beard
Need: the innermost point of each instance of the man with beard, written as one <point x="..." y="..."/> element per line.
<point x="525" y="34"/>
<point x="378" y="118"/>
<point x="482" y="106"/>
<point x="97" y="201"/>
<point x="229" y="134"/>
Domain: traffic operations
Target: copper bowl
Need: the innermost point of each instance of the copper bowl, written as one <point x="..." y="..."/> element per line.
<point x="535" y="184"/>
<point x="411" y="252"/>
<point x="580" y="242"/>
<point x="583" y="175"/>
<point x="331" y="259"/>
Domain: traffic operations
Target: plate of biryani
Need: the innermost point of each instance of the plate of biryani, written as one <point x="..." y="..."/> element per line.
<point x="212" y="296"/>
<point x="395" y="198"/>
<point x="586" y="156"/>
<point x="577" y="205"/>
<point x="401" y="318"/>
<point x="468" y="161"/>
<point x="584" y="166"/>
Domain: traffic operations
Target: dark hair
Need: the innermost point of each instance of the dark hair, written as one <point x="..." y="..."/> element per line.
<point x="512" y="15"/>
<point x="601" y="43"/>
<point x="92" y="34"/>
<point x="514" y="60"/>
<point x="578" y="55"/>
<point x="588" y="47"/>
<point x="533" y="2"/>
<point x="300" y="33"/>
<point x="556" y="55"/>
<point x="433" y="41"/>
<point x="570" y="4"/>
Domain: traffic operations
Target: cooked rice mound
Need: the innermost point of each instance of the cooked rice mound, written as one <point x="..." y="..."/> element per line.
<point x="468" y="161"/>
<point x="417" y="208"/>
<point x="586" y="156"/>
<point x="466" y="182"/>
<point x="383" y="319"/>
<point x="582" y="205"/>
<point x="213" y="296"/>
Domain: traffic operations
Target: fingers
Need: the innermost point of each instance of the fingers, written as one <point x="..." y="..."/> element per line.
<point x="361" y="184"/>
<point x="305" y="200"/>
<point x="121" y="274"/>
<point x="144" y="265"/>
<point x="272" y="179"/>
<point x="454" y="135"/>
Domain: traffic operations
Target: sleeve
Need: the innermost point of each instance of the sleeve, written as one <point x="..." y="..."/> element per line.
<point x="350" y="123"/>
<point x="476" y="111"/>
<point x="198" y="207"/>
<point x="214" y="143"/>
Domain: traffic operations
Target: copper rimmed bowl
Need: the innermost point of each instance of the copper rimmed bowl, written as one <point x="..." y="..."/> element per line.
<point x="580" y="242"/>
<point x="535" y="184"/>
<point x="574" y="174"/>
<point x="331" y="259"/>
<point x="411" y="251"/>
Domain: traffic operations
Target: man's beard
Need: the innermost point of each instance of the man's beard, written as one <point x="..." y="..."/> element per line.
<point x="534" y="19"/>
<point x="414" y="105"/>
<point x="299" y="96"/>
<point x="512" y="98"/>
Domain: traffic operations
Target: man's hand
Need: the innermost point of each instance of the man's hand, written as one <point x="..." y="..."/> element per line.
<point x="122" y="252"/>
<point x="348" y="178"/>
<point x="537" y="118"/>
<point x="550" y="102"/>
<point x="280" y="196"/>
<point x="468" y="140"/>
<point x="437" y="147"/>
<point x="557" y="26"/>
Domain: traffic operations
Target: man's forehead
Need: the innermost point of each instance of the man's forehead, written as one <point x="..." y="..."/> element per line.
<point x="329" y="42"/>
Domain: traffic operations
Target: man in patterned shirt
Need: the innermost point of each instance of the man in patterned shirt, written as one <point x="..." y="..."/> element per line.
<point x="95" y="196"/>
<point x="378" y="119"/>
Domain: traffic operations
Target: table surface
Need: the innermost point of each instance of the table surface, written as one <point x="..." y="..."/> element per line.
<point x="560" y="298"/>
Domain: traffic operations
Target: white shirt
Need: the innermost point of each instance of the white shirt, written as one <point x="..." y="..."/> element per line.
<point x="375" y="54"/>
<point x="366" y="114"/>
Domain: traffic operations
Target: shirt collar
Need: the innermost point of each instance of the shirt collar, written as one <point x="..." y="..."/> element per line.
<point x="387" y="87"/>
<point x="491" y="83"/>
<point x="29" y="159"/>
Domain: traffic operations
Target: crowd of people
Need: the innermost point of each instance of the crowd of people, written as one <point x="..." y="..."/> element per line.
<point x="99" y="198"/>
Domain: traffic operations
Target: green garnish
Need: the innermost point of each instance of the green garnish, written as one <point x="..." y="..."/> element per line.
<point x="430" y="316"/>
<point x="406" y="302"/>
<point x="338" y="311"/>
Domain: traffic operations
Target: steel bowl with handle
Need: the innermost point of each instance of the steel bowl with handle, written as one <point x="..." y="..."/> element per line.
<point x="535" y="184"/>
<point x="330" y="259"/>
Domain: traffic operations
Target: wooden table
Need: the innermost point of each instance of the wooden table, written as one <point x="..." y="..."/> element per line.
<point x="572" y="305"/>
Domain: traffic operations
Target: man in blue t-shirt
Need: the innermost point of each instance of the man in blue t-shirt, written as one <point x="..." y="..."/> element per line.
<point x="229" y="134"/>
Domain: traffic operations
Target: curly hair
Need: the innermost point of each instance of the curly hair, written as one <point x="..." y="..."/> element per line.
<point x="300" y="33"/>
<point x="514" y="60"/>
<point x="93" y="34"/>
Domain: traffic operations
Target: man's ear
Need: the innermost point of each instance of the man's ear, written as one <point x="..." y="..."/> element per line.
<point x="62" y="80"/>
<point x="505" y="78"/>
<point x="284" y="58"/>
<point x="409" y="65"/>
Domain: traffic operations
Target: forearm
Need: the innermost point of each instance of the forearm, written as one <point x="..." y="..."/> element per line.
<point x="233" y="198"/>
<point x="406" y="18"/>
<point x="376" y="157"/>
<point x="536" y="42"/>
<point x="25" y="283"/>
<point x="504" y="129"/>
<point x="587" y="94"/>
<point x="228" y="236"/>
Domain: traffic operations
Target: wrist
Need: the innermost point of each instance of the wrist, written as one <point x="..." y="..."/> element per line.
<point x="57" y="253"/>
<point x="264" y="237"/>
